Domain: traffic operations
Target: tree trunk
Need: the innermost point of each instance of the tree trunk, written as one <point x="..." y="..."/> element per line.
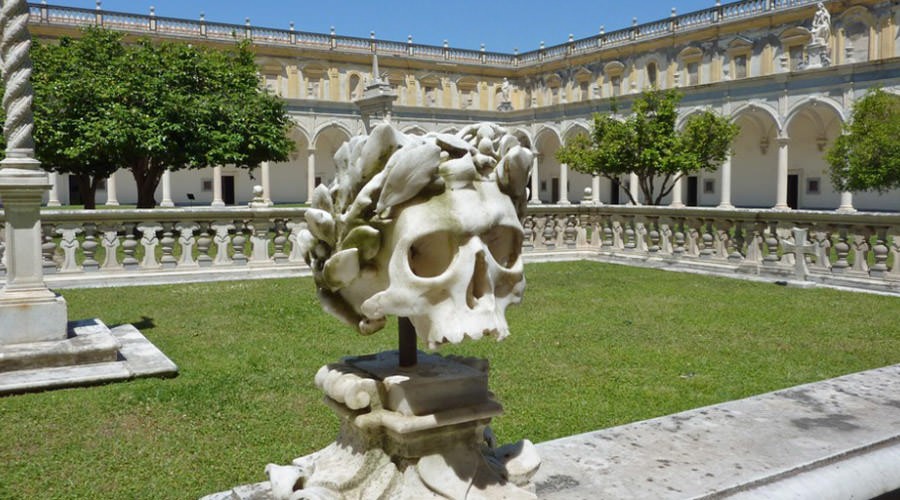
<point x="146" y="178"/>
<point x="87" y="187"/>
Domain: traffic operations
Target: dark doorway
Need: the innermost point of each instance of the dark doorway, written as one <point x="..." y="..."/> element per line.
<point x="228" y="189"/>
<point x="554" y="190"/>
<point x="74" y="193"/>
<point x="692" y="191"/>
<point x="793" y="193"/>
<point x="615" y="193"/>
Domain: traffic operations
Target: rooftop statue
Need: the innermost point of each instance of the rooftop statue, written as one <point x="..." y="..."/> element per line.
<point x="423" y="227"/>
<point x="821" y="25"/>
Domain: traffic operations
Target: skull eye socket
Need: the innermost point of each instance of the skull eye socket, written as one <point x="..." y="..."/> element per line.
<point x="432" y="254"/>
<point x="505" y="244"/>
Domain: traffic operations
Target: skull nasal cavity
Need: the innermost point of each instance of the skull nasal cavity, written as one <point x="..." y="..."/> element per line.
<point x="479" y="285"/>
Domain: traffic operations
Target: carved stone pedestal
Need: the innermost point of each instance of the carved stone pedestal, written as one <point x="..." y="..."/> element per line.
<point x="417" y="433"/>
<point x="817" y="56"/>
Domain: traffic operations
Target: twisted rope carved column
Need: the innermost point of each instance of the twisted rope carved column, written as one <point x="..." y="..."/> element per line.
<point x="15" y="47"/>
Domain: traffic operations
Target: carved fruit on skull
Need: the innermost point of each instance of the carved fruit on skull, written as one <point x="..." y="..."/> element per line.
<point x="432" y="234"/>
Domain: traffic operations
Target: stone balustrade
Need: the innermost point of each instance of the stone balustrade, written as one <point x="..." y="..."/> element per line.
<point x="158" y="25"/>
<point x="117" y="247"/>
<point x="860" y="250"/>
<point x="121" y="247"/>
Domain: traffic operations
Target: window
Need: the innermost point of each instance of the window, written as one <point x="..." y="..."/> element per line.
<point x="709" y="186"/>
<point x="693" y="71"/>
<point x="812" y="185"/>
<point x="206" y="185"/>
<point x="740" y="66"/>
<point x="616" y="84"/>
<point x="651" y="74"/>
<point x="795" y="54"/>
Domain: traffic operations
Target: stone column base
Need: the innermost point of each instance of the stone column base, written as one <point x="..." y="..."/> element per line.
<point x="417" y="433"/>
<point x="31" y="316"/>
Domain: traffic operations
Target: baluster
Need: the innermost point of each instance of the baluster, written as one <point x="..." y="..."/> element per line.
<point x="109" y="240"/>
<point x="842" y="249"/>
<point x="222" y="240"/>
<point x="48" y="249"/>
<point x="822" y="240"/>
<point x="570" y="233"/>
<point x="129" y="247"/>
<point x="167" y="242"/>
<point x="880" y="250"/>
<point x="89" y="248"/>
<point x="279" y="242"/>
<point x="259" y="240"/>
<point x="149" y="242"/>
<point x="895" y="252"/>
<point x="69" y="244"/>
<point x="549" y="241"/>
<point x="678" y="240"/>
<point x="581" y="238"/>
<point x="861" y="251"/>
<point x="238" y="243"/>
<point x="771" y="240"/>
<point x="723" y="239"/>
<point x="653" y="235"/>
<point x="204" y="243"/>
<point x="618" y="233"/>
<point x="708" y="250"/>
<point x="559" y="231"/>
<point x="692" y="237"/>
<point x="640" y="234"/>
<point x="596" y="232"/>
<point x="528" y="234"/>
<point x="187" y="241"/>
<point x="540" y="222"/>
<point x="295" y="228"/>
<point x="2" y="252"/>
<point x="630" y="234"/>
<point x="736" y="253"/>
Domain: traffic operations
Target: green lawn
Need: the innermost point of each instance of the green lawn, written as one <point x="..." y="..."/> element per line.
<point x="593" y="346"/>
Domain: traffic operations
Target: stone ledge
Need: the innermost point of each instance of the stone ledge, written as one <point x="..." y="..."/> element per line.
<point x="839" y="438"/>
<point x="136" y="358"/>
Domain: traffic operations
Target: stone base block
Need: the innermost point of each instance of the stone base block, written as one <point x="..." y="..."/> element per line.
<point x="24" y="319"/>
<point x="92" y="354"/>
<point x="401" y="438"/>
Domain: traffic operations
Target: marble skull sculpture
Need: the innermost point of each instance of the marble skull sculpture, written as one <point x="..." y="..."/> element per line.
<point x="426" y="227"/>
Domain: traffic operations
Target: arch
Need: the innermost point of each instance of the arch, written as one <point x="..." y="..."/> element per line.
<point x="544" y="131"/>
<point x="683" y="116"/>
<point x="760" y="107"/>
<point x="415" y="130"/>
<point x="812" y="124"/>
<point x="326" y="128"/>
<point x="523" y="137"/>
<point x="576" y="129"/>
<point x="856" y="25"/>
<point x="814" y="100"/>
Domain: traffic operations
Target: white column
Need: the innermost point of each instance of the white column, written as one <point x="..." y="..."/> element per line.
<point x="535" y="181"/>
<point x="310" y="174"/>
<point x="677" y="200"/>
<point x="595" y="190"/>
<point x="53" y="197"/>
<point x="725" y="195"/>
<point x="167" y="190"/>
<point x="782" y="179"/>
<point x="217" y="188"/>
<point x="634" y="188"/>
<point x="563" y="185"/>
<point x="112" y="195"/>
<point x="846" y="203"/>
<point x="266" y="183"/>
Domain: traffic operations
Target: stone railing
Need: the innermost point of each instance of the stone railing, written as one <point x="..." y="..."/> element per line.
<point x="121" y="247"/>
<point x="156" y="25"/>
<point x="124" y="247"/>
<point x="860" y="250"/>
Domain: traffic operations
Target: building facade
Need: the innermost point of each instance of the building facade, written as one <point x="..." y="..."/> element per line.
<point x="787" y="71"/>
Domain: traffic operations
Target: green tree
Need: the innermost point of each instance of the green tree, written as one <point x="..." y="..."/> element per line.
<point x="151" y="107"/>
<point x="648" y="144"/>
<point x="867" y="156"/>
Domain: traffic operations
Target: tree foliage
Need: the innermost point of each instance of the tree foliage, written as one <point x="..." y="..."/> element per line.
<point x="151" y="107"/>
<point x="867" y="156"/>
<point x="648" y="144"/>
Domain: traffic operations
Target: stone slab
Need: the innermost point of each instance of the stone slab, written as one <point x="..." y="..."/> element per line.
<point x="25" y="318"/>
<point x="136" y="358"/>
<point x="839" y="438"/>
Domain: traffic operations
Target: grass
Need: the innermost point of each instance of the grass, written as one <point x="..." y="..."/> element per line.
<point x="593" y="346"/>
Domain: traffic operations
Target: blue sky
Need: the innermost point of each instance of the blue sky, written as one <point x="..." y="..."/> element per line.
<point x="500" y="25"/>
